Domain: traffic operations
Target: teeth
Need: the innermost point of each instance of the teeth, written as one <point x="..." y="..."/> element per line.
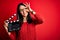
<point x="9" y="18"/>
<point x="17" y="20"/>
<point x="14" y="14"/>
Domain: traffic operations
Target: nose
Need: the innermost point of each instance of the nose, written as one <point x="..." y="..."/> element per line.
<point x="24" y="11"/>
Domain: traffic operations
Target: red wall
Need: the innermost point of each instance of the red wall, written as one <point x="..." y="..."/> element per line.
<point x="48" y="10"/>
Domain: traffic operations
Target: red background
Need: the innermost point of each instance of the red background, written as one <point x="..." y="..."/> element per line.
<point x="48" y="10"/>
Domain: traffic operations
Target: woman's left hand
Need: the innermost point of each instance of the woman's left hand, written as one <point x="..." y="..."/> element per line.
<point x="28" y="6"/>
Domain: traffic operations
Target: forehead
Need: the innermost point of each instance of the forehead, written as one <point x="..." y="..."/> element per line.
<point x="22" y="7"/>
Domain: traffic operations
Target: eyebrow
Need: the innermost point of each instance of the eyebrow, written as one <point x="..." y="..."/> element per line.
<point x="24" y="8"/>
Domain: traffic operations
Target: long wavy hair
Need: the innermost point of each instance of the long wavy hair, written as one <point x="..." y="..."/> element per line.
<point x="20" y="17"/>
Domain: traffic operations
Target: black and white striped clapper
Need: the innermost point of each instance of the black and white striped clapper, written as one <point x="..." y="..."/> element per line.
<point x="13" y="25"/>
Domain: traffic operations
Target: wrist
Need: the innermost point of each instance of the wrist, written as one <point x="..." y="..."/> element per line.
<point x="33" y="12"/>
<point x="6" y="28"/>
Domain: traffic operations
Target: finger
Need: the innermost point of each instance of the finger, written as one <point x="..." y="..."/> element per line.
<point x="29" y="3"/>
<point x="5" y="24"/>
<point x="25" y="4"/>
<point x="6" y="21"/>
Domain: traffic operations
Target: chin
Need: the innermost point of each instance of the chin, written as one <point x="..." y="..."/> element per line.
<point x="24" y="16"/>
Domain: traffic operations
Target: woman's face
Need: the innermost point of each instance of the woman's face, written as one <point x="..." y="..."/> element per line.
<point x="24" y="11"/>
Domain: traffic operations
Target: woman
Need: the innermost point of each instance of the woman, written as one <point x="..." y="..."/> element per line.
<point x="28" y="19"/>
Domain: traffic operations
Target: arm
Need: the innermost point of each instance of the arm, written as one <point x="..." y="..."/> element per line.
<point x="12" y="35"/>
<point x="36" y="18"/>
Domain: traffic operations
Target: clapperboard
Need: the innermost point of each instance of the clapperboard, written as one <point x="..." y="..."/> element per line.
<point x="13" y="25"/>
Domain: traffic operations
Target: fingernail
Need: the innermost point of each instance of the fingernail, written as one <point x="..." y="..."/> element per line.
<point x="9" y="18"/>
<point x="14" y="20"/>
<point x="10" y="21"/>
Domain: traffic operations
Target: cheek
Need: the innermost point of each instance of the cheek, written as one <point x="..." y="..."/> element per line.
<point x="26" y="14"/>
<point x="21" y="13"/>
<point x="27" y="10"/>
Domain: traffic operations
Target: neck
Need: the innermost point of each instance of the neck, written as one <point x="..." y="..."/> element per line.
<point x="24" y="19"/>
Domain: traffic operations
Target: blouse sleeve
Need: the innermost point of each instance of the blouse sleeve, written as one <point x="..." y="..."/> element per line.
<point x="36" y="19"/>
<point x="12" y="36"/>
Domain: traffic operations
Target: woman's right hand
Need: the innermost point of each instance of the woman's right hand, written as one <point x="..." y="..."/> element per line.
<point x="6" y="26"/>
